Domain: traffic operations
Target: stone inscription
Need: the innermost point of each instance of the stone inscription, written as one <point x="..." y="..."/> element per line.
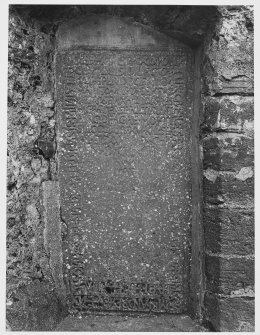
<point x="124" y="165"/>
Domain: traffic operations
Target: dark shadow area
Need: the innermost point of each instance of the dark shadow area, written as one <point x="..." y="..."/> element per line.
<point x="189" y="24"/>
<point x="212" y="237"/>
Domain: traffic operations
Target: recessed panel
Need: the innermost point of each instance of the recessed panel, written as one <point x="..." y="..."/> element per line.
<point x="125" y="177"/>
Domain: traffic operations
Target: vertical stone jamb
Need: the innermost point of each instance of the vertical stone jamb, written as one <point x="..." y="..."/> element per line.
<point x="52" y="234"/>
<point x="197" y="248"/>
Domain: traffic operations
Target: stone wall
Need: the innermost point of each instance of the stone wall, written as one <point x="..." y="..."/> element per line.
<point x="225" y="37"/>
<point x="228" y="171"/>
<point x="32" y="301"/>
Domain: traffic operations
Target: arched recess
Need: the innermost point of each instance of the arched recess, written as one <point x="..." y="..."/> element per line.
<point x="127" y="100"/>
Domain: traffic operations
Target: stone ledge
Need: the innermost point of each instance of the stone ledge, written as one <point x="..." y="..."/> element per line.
<point x="134" y="323"/>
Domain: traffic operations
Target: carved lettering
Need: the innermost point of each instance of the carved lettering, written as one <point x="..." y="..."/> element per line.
<point x="124" y="162"/>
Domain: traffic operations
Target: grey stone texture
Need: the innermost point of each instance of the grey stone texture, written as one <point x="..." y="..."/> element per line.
<point x="225" y="37"/>
<point x="229" y="55"/>
<point x="32" y="301"/>
<point x="133" y="323"/>
<point x="52" y="234"/>
<point x="122" y="180"/>
<point x="228" y="162"/>
<point x="231" y="313"/>
<point x="229" y="231"/>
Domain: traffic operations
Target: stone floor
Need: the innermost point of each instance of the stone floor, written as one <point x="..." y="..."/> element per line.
<point x="143" y="323"/>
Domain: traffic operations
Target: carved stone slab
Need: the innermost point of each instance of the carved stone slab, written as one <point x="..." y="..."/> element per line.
<point x="124" y="164"/>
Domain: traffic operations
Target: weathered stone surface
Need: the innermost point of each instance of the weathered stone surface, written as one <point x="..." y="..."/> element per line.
<point x="229" y="114"/>
<point x="229" y="231"/>
<point x="227" y="127"/>
<point x="227" y="69"/>
<point x="229" y="64"/>
<point x="133" y="323"/>
<point x="47" y="148"/>
<point x="109" y="32"/>
<point x="186" y="23"/>
<point x="30" y="104"/>
<point x="228" y="152"/>
<point x="226" y="190"/>
<point x="35" y="307"/>
<point x="52" y="234"/>
<point x="228" y="273"/>
<point x="30" y="84"/>
<point x="124" y="142"/>
<point x="230" y="314"/>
